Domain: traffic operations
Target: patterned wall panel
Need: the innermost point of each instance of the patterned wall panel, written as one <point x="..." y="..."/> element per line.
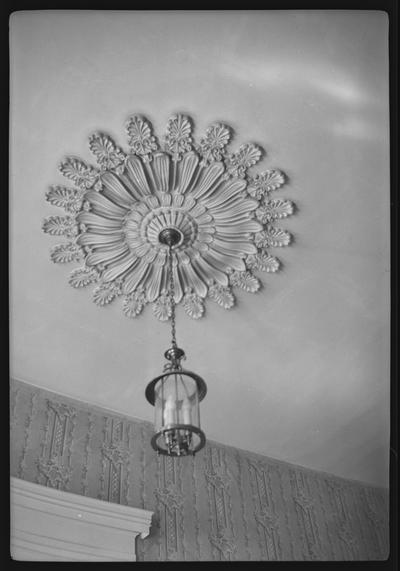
<point x="222" y="505"/>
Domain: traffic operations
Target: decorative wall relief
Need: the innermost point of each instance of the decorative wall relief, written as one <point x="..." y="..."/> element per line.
<point x="305" y="510"/>
<point x="54" y="464"/>
<point x="86" y="456"/>
<point x="217" y="481"/>
<point x="13" y="409"/>
<point x="264" y="511"/>
<point x="115" y="458"/>
<point x="222" y="505"/>
<point x="27" y="433"/>
<point x="243" y="505"/>
<point x="170" y="502"/>
<point x="116" y="211"/>
<point x="372" y="510"/>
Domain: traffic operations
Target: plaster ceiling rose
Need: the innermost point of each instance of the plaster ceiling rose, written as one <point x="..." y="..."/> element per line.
<point x="222" y="216"/>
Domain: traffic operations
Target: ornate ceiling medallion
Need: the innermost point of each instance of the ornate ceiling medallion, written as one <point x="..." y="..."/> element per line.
<point x="222" y="218"/>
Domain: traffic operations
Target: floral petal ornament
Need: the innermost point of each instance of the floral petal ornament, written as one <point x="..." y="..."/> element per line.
<point x="273" y="209"/>
<point x="64" y="253"/>
<point x="262" y="184"/>
<point x="117" y="210"/>
<point x="246" y="281"/>
<point x="162" y="307"/>
<point x="107" y="154"/>
<point x="68" y="198"/>
<point x="213" y="144"/>
<point x="221" y="295"/>
<point x="134" y="303"/>
<point x="140" y="138"/>
<point x="82" y="277"/>
<point x="60" y="226"/>
<point x="263" y="262"/>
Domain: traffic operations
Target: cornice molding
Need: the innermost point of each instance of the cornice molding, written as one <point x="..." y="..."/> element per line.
<point x="56" y="524"/>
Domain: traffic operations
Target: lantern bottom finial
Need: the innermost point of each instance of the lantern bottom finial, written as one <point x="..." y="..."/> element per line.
<point x="178" y="440"/>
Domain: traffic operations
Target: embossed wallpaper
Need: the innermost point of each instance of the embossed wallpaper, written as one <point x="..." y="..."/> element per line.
<point x="224" y="505"/>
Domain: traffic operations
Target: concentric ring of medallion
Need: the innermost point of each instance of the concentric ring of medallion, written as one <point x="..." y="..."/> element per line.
<point x="163" y="218"/>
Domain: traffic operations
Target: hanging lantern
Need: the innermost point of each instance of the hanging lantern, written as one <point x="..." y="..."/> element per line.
<point x="176" y="393"/>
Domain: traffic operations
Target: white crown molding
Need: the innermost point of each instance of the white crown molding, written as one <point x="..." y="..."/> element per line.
<point x="117" y="210"/>
<point x="53" y="525"/>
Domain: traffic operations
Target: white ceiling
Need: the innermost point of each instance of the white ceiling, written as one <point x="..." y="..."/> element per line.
<point x="298" y="371"/>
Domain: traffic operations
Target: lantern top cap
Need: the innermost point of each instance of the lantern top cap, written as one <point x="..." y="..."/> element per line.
<point x="174" y="354"/>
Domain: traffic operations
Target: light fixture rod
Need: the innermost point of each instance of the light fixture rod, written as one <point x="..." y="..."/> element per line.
<point x="172" y="298"/>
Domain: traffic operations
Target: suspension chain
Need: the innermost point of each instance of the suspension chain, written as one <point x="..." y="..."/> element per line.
<point x="172" y="298"/>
